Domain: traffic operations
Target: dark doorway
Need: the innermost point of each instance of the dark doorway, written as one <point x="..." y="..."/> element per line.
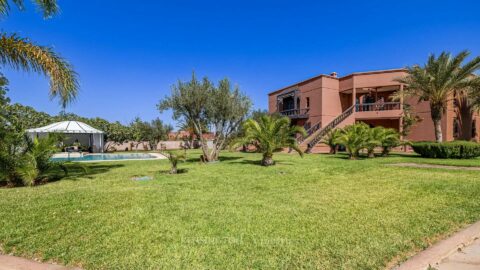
<point x="288" y="104"/>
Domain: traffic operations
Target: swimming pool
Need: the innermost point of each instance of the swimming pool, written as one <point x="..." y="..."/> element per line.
<point x="107" y="157"/>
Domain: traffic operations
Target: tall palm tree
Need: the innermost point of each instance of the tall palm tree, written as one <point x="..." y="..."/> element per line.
<point x="22" y="54"/>
<point x="468" y="104"/>
<point x="465" y="110"/>
<point x="437" y="81"/>
<point x="270" y="134"/>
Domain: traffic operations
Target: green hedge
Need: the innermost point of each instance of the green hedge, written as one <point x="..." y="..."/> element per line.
<point x="456" y="149"/>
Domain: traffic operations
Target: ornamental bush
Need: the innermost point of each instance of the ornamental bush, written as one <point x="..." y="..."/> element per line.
<point x="455" y="149"/>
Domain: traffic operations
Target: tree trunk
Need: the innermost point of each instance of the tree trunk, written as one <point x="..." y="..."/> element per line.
<point x="333" y="150"/>
<point x="436" y="113"/>
<point x="371" y="153"/>
<point x="466" y="119"/>
<point x="173" y="170"/>
<point x="267" y="160"/>
<point x="438" y="130"/>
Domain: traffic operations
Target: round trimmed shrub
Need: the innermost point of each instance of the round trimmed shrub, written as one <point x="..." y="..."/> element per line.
<point x="455" y="149"/>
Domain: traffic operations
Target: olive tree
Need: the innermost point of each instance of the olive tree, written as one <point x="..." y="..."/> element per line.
<point x="221" y="107"/>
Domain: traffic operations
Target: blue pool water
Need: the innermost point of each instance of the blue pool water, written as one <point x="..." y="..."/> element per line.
<point x="99" y="157"/>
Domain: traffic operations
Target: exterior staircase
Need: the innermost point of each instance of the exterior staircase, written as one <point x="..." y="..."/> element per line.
<point x="316" y="132"/>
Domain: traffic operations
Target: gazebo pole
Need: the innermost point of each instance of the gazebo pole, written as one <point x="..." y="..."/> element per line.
<point x="90" y="141"/>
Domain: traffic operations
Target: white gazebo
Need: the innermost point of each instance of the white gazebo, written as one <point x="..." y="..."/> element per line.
<point x="75" y="132"/>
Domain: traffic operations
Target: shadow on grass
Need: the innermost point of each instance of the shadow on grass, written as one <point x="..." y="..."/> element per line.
<point x="363" y="156"/>
<point x="258" y="162"/>
<point x="220" y="159"/>
<point x="179" y="171"/>
<point x="345" y="156"/>
<point x="74" y="171"/>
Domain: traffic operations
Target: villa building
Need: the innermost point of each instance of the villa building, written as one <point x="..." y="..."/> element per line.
<point x="328" y="101"/>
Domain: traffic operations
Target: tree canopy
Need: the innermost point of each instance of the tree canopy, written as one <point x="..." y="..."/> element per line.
<point x="22" y="54"/>
<point x="438" y="80"/>
<point x="222" y="108"/>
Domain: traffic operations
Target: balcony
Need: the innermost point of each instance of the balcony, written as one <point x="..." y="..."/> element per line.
<point x="296" y="113"/>
<point x="378" y="110"/>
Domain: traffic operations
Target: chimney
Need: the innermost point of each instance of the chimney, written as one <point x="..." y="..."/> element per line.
<point x="333" y="74"/>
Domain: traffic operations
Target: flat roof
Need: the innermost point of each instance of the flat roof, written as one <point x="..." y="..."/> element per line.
<point x="339" y="78"/>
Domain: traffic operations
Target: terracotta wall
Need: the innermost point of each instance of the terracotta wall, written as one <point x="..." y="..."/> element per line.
<point x="387" y="123"/>
<point x="272" y="103"/>
<point x="312" y="90"/>
<point x="370" y="79"/>
<point x="127" y="146"/>
<point x="424" y="130"/>
<point x="331" y="102"/>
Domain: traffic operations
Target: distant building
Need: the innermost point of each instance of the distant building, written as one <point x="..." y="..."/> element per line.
<point x="364" y="96"/>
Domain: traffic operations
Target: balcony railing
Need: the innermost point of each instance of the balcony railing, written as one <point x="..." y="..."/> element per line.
<point x="295" y="112"/>
<point x="386" y="106"/>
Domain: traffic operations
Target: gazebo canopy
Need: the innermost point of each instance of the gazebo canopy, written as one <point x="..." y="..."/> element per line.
<point x="66" y="127"/>
<point x="78" y="133"/>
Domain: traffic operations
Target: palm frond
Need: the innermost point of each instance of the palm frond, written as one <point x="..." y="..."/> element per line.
<point x="270" y="133"/>
<point x="21" y="54"/>
<point x="46" y="7"/>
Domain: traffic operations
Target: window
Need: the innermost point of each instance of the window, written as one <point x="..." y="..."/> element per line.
<point x="308" y="102"/>
<point x="474" y="128"/>
<point x="456" y="128"/>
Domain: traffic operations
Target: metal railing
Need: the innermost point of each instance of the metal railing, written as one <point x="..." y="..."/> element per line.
<point x="329" y="127"/>
<point x="385" y="106"/>
<point x="309" y="131"/>
<point x="295" y="112"/>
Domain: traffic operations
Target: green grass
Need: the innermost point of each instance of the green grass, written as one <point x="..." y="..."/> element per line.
<point x="321" y="212"/>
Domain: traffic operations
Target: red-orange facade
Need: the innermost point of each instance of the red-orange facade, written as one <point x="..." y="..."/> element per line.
<point x="319" y="100"/>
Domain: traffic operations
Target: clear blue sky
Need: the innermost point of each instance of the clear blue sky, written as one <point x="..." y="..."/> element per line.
<point x="129" y="53"/>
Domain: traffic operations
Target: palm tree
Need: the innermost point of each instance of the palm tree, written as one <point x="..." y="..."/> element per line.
<point x="22" y="54"/>
<point x="475" y="97"/>
<point x="331" y="139"/>
<point x="374" y="140"/>
<point x="175" y="158"/>
<point x="270" y="134"/>
<point x="355" y="138"/>
<point x="438" y="80"/>
<point x="467" y="104"/>
<point x="389" y="138"/>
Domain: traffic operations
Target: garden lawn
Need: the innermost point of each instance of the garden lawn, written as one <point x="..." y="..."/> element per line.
<point x="321" y="211"/>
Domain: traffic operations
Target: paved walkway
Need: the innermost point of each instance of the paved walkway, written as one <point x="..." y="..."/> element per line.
<point x="16" y="263"/>
<point x="467" y="258"/>
<point x="460" y="251"/>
